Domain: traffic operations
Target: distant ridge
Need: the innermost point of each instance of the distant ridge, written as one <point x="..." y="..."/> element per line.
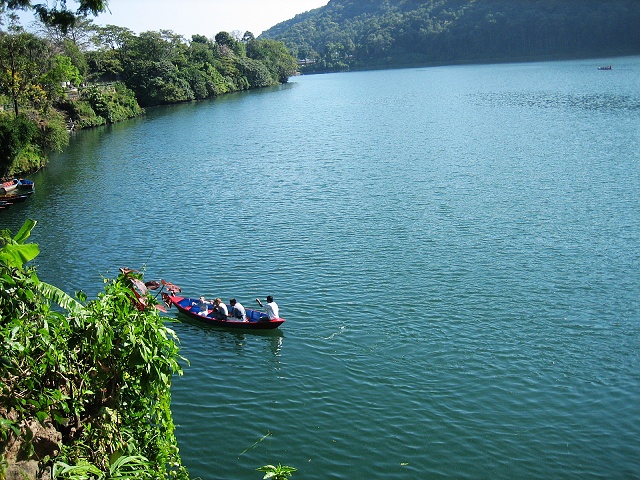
<point x="348" y="34"/>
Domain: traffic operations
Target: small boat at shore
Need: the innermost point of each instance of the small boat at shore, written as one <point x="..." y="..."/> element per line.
<point x="8" y="199"/>
<point x="255" y="318"/>
<point x="21" y="184"/>
<point x="9" y="186"/>
<point x="24" y="184"/>
<point x="15" y="197"/>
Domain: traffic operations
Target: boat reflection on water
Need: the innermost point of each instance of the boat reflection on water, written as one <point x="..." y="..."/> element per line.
<point x="193" y="333"/>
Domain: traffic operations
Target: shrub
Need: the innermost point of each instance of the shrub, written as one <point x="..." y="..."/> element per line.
<point x="54" y="135"/>
<point x="29" y="159"/>
<point x="113" y="104"/>
<point x="15" y="134"/>
<point x="99" y="373"/>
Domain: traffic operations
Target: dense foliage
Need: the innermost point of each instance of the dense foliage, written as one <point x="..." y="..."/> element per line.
<point x="24" y="141"/>
<point x="84" y="390"/>
<point x="100" y="105"/>
<point x="57" y="14"/>
<point x="162" y="67"/>
<point x="374" y="33"/>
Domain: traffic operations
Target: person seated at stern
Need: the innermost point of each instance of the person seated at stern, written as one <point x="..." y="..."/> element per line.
<point x="273" y="311"/>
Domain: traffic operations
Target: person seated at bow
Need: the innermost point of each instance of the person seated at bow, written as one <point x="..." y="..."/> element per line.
<point x="204" y="307"/>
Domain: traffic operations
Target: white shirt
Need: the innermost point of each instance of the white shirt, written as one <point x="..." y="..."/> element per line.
<point x="272" y="310"/>
<point x="240" y="309"/>
<point x="204" y="307"/>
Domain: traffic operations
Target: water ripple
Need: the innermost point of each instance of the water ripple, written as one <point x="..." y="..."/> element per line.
<point x="456" y="259"/>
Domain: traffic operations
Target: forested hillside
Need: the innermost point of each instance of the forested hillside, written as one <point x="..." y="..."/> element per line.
<point x="380" y="33"/>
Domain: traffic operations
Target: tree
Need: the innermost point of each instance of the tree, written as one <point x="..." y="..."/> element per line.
<point x="200" y="53"/>
<point x="81" y="33"/>
<point x="225" y="39"/>
<point x="58" y="15"/>
<point x="15" y="134"/>
<point x="78" y="58"/>
<point x="112" y="43"/>
<point x="111" y="37"/>
<point x="226" y="43"/>
<point x="248" y="37"/>
<point x="202" y="40"/>
<point x="275" y="56"/>
<point x="256" y="73"/>
<point x="62" y="72"/>
<point x="24" y="59"/>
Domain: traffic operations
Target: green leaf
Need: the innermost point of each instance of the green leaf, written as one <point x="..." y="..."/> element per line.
<point x="25" y="231"/>
<point x="83" y="470"/>
<point x="58" y="296"/>
<point x="13" y="255"/>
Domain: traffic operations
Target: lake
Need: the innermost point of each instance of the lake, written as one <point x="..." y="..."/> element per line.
<point x="455" y="249"/>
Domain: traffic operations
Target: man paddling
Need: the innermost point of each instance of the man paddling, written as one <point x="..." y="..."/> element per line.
<point x="272" y="309"/>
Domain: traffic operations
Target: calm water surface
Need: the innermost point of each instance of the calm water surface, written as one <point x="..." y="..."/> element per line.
<point x="455" y="250"/>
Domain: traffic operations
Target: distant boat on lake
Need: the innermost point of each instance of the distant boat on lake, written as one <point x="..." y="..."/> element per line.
<point x="608" y="67"/>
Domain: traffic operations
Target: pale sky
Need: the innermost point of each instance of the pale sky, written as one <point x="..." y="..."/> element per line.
<point x="203" y="17"/>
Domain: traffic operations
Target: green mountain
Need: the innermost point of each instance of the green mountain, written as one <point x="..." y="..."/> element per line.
<point x="386" y="33"/>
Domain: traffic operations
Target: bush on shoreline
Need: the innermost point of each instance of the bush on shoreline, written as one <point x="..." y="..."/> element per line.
<point x="85" y="389"/>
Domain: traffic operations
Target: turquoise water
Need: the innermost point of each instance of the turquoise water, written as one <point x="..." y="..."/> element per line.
<point x="455" y="250"/>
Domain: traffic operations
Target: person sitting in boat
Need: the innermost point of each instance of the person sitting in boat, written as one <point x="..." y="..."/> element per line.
<point x="237" y="311"/>
<point x="272" y="309"/>
<point x="204" y="307"/>
<point x="220" y="311"/>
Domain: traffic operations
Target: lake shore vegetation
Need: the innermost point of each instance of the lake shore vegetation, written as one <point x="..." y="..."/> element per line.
<point x="84" y="386"/>
<point x="79" y="75"/>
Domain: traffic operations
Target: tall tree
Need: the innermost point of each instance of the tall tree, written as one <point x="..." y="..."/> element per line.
<point x="58" y="14"/>
<point x="81" y="33"/>
<point x="275" y="56"/>
<point x="112" y="43"/>
<point x="24" y="59"/>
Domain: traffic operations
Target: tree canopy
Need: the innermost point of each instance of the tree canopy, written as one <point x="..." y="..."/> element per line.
<point x="163" y="67"/>
<point x="58" y="14"/>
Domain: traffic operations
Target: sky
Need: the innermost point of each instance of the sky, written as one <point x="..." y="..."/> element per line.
<point x="202" y="17"/>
